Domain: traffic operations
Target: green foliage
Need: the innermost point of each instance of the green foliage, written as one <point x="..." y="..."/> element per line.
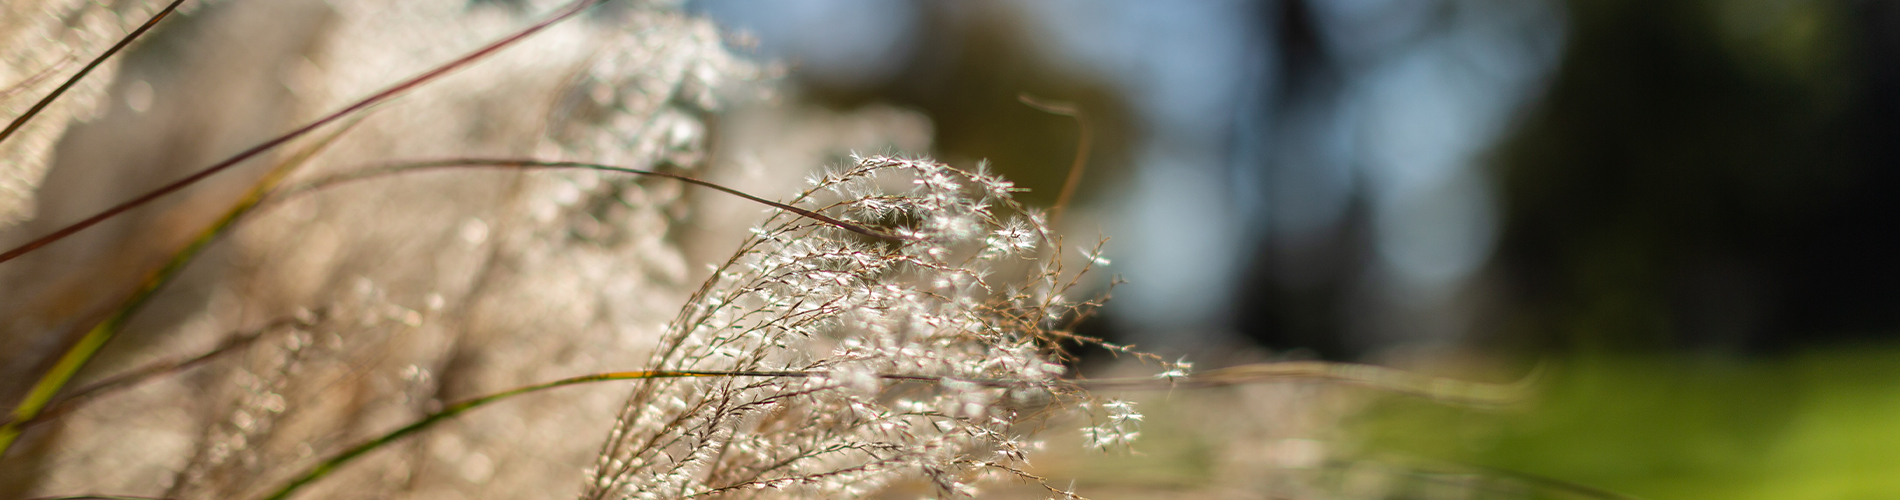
<point x="1813" y="425"/>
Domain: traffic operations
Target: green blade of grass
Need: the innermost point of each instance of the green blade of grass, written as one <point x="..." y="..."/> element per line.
<point x="76" y="357"/>
<point x="329" y="465"/>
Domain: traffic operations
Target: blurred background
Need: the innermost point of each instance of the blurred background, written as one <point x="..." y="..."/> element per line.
<point x="1684" y="216"/>
<point x="1688" y="210"/>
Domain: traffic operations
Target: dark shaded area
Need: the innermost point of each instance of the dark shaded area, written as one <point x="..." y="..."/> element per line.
<point x="1688" y="186"/>
<point x="1297" y="294"/>
<point x="1698" y="177"/>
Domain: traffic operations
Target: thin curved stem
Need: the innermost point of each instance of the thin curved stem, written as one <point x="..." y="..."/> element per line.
<point x="330" y="465"/>
<point x="532" y="164"/>
<point x="75" y="358"/>
<point x="1440" y="389"/>
<point x="236" y="342"/>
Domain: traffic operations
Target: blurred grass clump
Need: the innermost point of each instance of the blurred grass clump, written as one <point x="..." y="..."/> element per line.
<point x="1816" y="424"/>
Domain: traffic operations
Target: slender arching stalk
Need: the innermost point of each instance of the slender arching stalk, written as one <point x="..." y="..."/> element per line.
<point x="329" y="465"/>
<point x="237" y="342"/>
<point x="80" y="353"/>
<point x="48" y="386"/>
<point x="29" y="411"/>
<point x="534" y="164"/>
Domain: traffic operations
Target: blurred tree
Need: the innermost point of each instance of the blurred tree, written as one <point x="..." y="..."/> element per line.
<point x="1709" y="175"/>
